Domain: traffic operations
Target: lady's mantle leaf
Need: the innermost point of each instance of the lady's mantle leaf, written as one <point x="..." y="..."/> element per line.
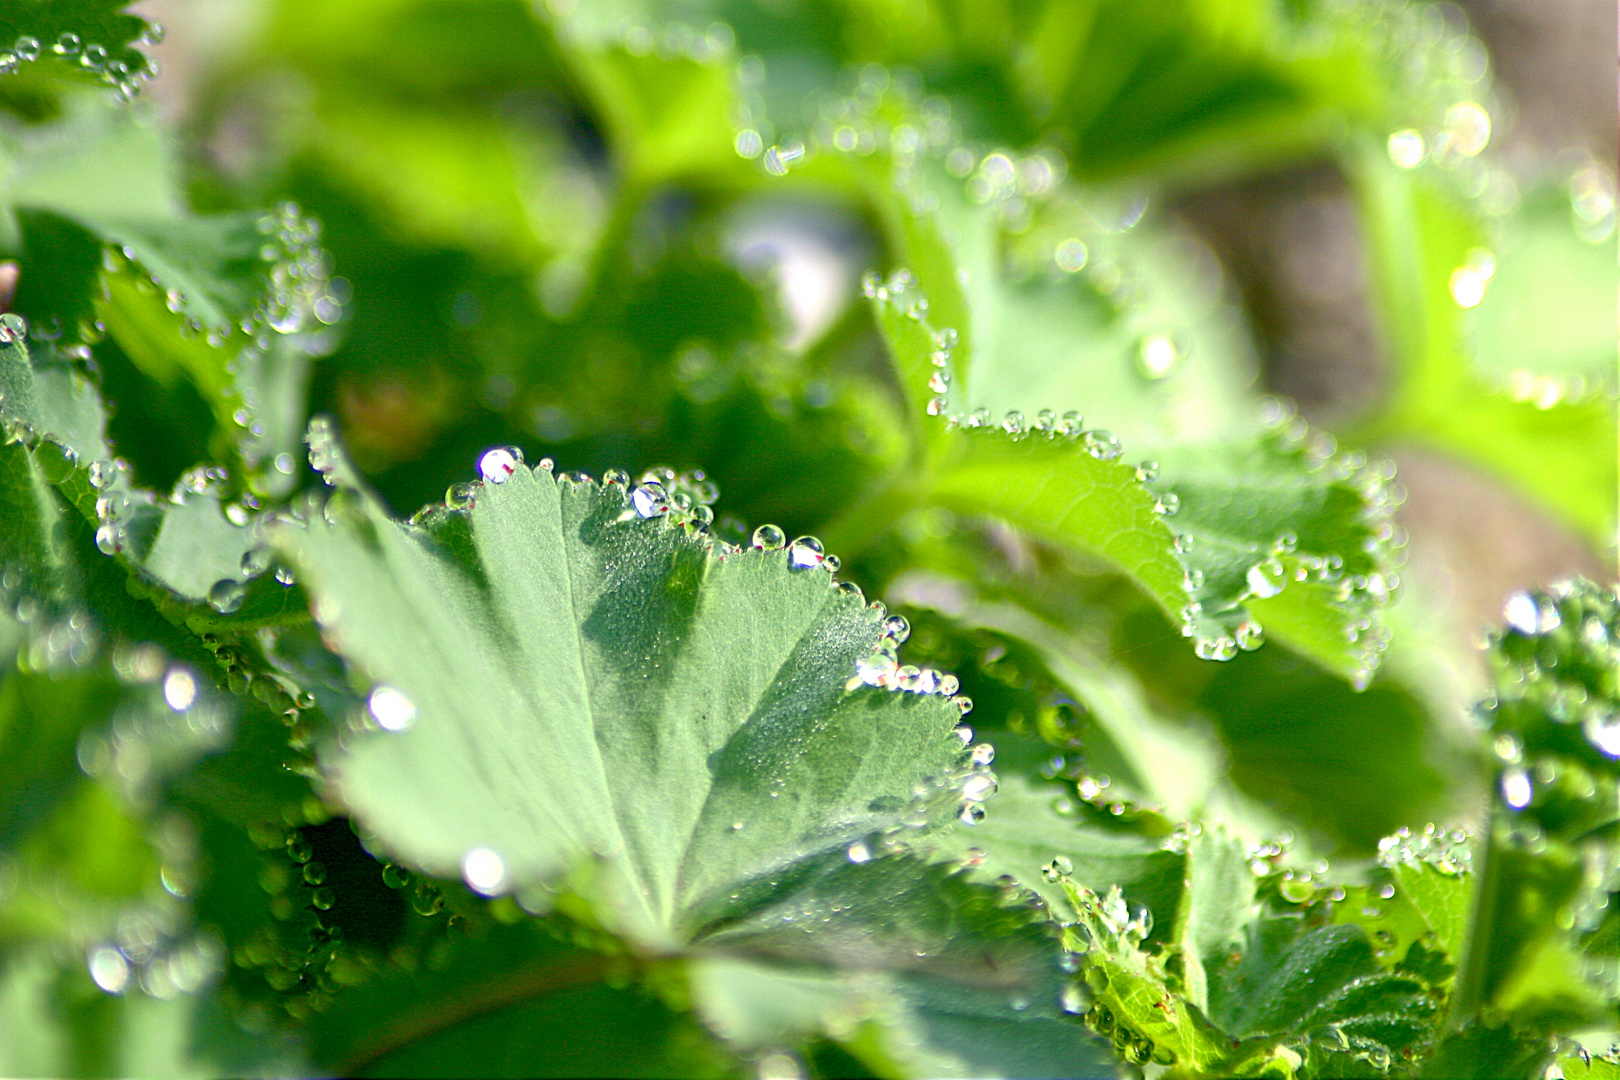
<point x="564" y="679"/>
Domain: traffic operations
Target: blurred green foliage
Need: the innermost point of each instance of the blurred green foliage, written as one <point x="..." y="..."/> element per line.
<point x="575" y="776"/>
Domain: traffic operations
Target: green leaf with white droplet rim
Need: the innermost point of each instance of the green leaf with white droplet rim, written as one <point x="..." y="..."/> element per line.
<point x="179" y="547"/>
<point x="1130" y="325"/>
<point x="232" y="303"/>
<point x="1240" y="488"/>
<point x="1056" y="490"/>
<point x="1551" y="851"/>
<point x="1557" y="456"/>
<point x="588" y="685"/>
<point x="84" y="23"/>
<point x="1544" y="265"/>
<point x="1246" y="990"/>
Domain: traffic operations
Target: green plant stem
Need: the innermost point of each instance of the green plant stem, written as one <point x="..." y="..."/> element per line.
<point x="536" y="981"/>
<point x="1468" y="994"/>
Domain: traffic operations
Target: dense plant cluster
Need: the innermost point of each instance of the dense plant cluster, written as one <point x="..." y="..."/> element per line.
<point x="865" y="619"/>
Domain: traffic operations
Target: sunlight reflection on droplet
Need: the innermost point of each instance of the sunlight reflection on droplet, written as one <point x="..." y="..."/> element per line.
<point x="109" y="969"/>
<point x="484" y="871"/>
<point x="179" y="689"/>
<point x="392" y="710"/>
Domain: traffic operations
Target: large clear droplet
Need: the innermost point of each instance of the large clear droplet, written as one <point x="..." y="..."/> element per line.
<point x="1267" y="579"/>
<point x="769" y="538"/>
<point x="226" y="596"/>
<point x="498" y="465"/>
<point x="1102" y="445"/>
<point x="805" y="552"/>
<point x="649" y="500"/>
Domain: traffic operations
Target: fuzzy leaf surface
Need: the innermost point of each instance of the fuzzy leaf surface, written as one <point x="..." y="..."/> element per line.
<point x="588" y="683"/>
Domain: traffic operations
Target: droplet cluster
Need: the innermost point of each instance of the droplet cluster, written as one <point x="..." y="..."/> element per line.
<point x="1554" y="725"/>
<point x="121" y="69"/>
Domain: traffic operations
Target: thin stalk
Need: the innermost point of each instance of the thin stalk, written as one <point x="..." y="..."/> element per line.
<point x="1468" y="993"/>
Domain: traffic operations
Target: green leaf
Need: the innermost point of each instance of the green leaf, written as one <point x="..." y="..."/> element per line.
<point x="1247" y="990"/>
<point x="237" y="304"/>
<point x="701" y="735"/>
<point x="1557" y="809"/>
<point x="1545" y="265"/>
<point x="1167" y="375"/>
<point x="513" y="1002"/>
<point x="915" y="971"/>
<point x="1419" y="236"/>
<point x="187" y="545"/>
<point x="667" y="117"/>
<point x="78" y="39"/>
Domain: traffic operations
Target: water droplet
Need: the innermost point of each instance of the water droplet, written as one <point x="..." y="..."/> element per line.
<point x="1602" y="728"/>
<point x="1215" y="648"/>
<point x="322" y="899"/>
<point x="1013" y="423"/>
<point x="877" y="669"/>
<point x="1469" y="280"/>
<point x="109" y="970"/>
<point x="226" y="596"/>
<point x="1076" y="998"/>
<point x="1295" y="890"/>
<point x="392" y="710"/>
<point x="498" y="465"/>
<point x="984" y="754"/>
<point x="1168" y="504"/>
<point x="1071" y="255"/>
<point x="1529" y="616"/>
<point x="1266" y="579"/>
<point x="28" y="47"/>
<point x="805" y="552"/>
<point x="256" y="560"/>
<point x="484" y="871"/>
<point x="1406" y="148"/>
<point x="980" y="786"/>
<point x="650" y="500"/>
<point x="971" y="814"/>
<point x="67" y="45"/>
<point x="1157" y="356"/>
<point x="859" y="852"/>
<point x="109" y="538"/>
<point x="896" y="629"/>
<point x="769" y="538"/>
<point x="460" y="496"/>
<point x="1250" y="635"/>
<point x="395" y="877"/>
<point x="179" y="689"/>
<point x="1468" y="128"/>
<point x="1516" y="787"/>
<point x="1102" y="445"/>
<point x="1183" y="543"/>
<point x="314" y="873"/>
